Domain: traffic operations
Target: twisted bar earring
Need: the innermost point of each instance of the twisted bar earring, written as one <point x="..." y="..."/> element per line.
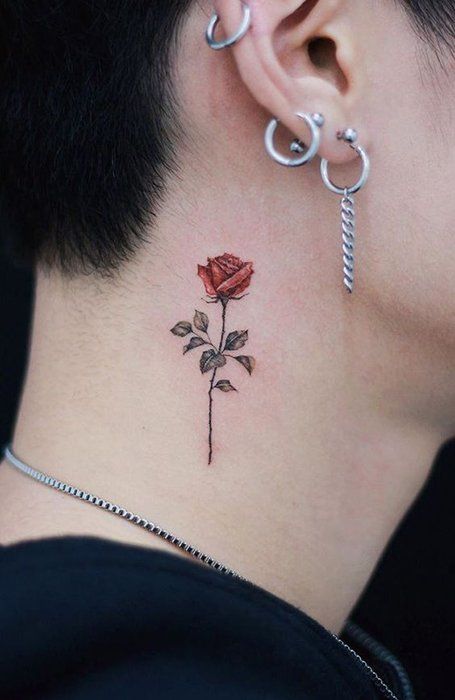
<point x="348" y="204"/>
<point x="229" y="41"/>
<point x="314" y="122"/>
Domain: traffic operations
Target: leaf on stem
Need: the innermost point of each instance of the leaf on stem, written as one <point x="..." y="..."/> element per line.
<point x="182" y="328"/>
<point x="225" y="385"/>
<point x="195" y="342"/>
<point x="236" y="340"/>
<point x="201" y="321"/>
<point x="210" y="359"/>
<point x="247" y="361"/>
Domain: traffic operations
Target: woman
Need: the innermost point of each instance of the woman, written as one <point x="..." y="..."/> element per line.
<point x="273" y="202"/>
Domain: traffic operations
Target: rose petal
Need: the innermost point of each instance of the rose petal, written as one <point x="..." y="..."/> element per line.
<point x="229" y="263"/>
<point x="240" y="279"/>
<point x="217" y="273"/>
<point x="244" y="285"/>
<point x="204" y="274"/>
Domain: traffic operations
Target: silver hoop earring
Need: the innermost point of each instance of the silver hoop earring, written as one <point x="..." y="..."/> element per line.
<point x="314" y="122"/>
<point x="348" y="204"/>
<point x="230" y="41"/>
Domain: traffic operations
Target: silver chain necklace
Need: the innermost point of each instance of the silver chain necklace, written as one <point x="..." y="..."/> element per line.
<point x="177" y="542"/>
<point x="118" y="510"/>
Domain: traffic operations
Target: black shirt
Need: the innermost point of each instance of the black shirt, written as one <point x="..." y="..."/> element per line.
<point x="83" y="618"/>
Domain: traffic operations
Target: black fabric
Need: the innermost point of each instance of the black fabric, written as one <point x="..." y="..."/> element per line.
<point x="82" y="617"/>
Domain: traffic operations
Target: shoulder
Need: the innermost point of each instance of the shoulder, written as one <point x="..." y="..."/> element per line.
<point x="104" y="615"/>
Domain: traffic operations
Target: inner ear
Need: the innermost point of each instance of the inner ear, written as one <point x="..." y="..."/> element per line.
<point x="303" y="52"/>
<point x="322" y="54"/>
<point x="317" y="57"/>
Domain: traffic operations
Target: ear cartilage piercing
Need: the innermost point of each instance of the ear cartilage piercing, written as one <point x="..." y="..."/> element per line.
<point x="349" y="136"/>
<point x="314" y="122"/>
<point x="235" y="38"/>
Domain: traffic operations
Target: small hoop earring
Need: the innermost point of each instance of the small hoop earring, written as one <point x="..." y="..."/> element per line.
<point x="314" y="122"/>
<point x="348" y="204"/>
<point x="229" y="41"/>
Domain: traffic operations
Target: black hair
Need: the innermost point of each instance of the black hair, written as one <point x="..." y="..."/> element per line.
<point x="434" y="20"/>
<point x="88" y="125"/>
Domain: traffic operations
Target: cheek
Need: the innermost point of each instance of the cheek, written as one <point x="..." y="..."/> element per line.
<point x="406" y="214"/>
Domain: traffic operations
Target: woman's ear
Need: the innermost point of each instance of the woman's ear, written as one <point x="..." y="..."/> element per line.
<point x="303" y="56"/>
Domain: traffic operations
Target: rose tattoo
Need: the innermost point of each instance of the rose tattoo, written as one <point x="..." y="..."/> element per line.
<point x="225" y="278"/>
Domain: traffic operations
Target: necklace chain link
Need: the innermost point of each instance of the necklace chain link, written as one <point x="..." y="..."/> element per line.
<point x="138" y="520"/>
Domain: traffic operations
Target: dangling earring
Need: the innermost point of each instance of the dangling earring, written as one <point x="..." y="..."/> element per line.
<point x="230" y="41"/>
<point x="349" y="136"/>
<point x="314" y="122"/>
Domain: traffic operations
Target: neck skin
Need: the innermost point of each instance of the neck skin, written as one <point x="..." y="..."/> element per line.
<point x="321" y="451"/>
<point x="316" y="459"/>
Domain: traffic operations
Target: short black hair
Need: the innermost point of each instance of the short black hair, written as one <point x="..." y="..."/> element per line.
<point x="88" y="122"/>
<point x="434" y="20"/>
<point x="87" y="126"/>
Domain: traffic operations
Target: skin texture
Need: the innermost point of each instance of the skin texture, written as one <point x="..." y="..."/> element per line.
<point x="352" y="395"/>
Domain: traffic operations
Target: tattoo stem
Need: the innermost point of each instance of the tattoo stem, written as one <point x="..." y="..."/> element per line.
<point x="212" y="381"/>
<point x="210" y="340"/>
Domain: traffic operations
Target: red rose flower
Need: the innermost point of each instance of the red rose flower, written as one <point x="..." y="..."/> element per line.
<point x="225" y="276"/>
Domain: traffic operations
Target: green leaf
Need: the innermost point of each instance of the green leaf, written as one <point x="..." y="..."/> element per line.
<point x="182" y="328"/>
<point x="236" y="340"/>
<point x="225" y="385"/>
<point x="210" y="359"/>
<point x="248" y="362"/>
<point x="201" y="321"/>
<point x="195" y="342"/>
